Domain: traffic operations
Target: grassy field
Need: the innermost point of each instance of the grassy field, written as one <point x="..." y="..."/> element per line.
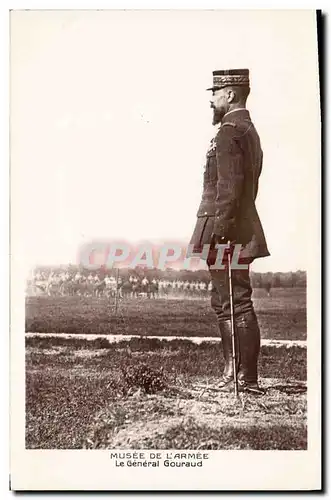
<point x="144" y="394"/>
<point x="282" y="316"/>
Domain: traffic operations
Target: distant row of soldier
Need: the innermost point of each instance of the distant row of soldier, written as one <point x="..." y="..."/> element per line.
<point x="78" y="282"/>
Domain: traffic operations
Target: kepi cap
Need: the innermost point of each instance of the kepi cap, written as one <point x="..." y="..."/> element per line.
<point x="225" y="77"/>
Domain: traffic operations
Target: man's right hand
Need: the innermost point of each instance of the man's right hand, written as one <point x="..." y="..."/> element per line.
<point x="220" y="240"/>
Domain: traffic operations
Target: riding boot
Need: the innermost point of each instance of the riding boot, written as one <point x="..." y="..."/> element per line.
<point x="248" y="335"/>
<point x="226" y="382"/>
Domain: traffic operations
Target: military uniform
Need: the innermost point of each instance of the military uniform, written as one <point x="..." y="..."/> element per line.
<point x="228" y="211"/>
<point x="231" y="177"/>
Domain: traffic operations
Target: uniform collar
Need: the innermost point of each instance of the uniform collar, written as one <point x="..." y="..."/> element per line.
<point x="235" y="115"/>
<point x="232" y="117"/>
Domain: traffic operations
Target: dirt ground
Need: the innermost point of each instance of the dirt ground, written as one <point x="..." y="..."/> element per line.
<point x="207" y="421"/>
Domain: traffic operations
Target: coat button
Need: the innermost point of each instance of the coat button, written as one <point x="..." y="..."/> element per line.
<point x="206" y="213"/>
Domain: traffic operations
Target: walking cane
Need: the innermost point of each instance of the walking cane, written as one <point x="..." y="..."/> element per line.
<point x="233" y="332"/>
<point x="116" y="293"/>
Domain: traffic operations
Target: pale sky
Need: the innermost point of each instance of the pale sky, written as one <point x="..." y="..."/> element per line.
<point x="110" y="124"/>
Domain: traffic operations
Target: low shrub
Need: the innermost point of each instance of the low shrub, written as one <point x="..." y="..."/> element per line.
<point x="145" y="377"/>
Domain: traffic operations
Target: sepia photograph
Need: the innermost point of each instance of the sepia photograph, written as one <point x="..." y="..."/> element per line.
<point x="165" y="210"/>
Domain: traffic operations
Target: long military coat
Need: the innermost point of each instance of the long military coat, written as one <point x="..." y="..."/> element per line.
<point x="231" y="177"/>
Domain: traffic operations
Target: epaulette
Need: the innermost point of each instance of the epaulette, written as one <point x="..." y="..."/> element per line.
<point x="229" y="123"/>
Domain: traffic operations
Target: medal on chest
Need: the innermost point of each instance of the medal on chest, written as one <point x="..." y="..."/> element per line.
<point x="212" y="146"/>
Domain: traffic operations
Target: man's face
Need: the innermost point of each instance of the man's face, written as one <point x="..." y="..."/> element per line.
<point x="220" y="104"/>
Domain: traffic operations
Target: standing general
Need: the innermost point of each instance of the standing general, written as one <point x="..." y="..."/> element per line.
<point x="227" y="212"/>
